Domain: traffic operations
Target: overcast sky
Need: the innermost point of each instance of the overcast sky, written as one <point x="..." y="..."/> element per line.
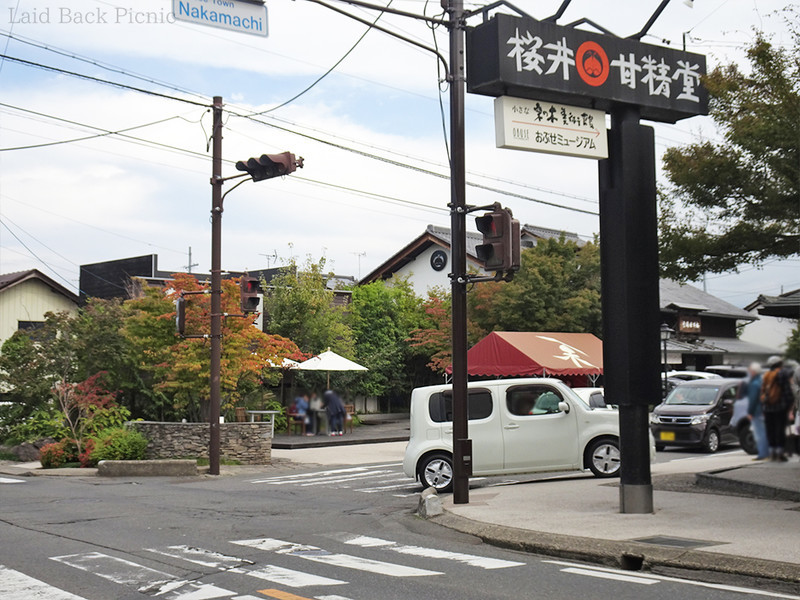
<point x="148" y="191"/>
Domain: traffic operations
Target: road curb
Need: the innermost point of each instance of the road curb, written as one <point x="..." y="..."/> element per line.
<point x="328" y="442"/>
<point x="716" y="480"/>
<point x="629" y="555"/>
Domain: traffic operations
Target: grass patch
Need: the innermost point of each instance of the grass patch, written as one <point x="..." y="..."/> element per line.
<point x="203" y="462"/>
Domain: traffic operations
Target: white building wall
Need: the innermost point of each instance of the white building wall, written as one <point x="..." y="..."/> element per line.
<point x="29" y="301"/>
<point x="772" y="332"/>
<point x="423" y="277"/>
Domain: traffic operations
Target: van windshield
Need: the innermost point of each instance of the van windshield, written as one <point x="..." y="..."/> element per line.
<point x="697" y="396"/>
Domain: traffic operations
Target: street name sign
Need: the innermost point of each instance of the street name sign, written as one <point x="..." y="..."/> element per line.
<point x="234" y="15"/>
<point x="526" y="58"/>
<point x="537" y="126"/>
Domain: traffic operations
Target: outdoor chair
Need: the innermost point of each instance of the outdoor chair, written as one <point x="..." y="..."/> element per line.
<point x="350" y="410"/>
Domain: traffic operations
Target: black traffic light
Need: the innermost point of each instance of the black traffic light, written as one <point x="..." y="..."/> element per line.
<point x="180" y="315"/>
<point x="268" y="166"/>
<point x="249" y="291"/>
<point x="500" y="250"/>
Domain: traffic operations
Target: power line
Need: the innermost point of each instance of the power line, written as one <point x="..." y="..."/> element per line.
<point x="36" y="256"/>
<point x="123" y="86"/>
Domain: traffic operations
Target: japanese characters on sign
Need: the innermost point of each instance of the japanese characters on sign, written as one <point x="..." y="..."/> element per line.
<point x="522" y="124"/>
<point x="532" y="59"/>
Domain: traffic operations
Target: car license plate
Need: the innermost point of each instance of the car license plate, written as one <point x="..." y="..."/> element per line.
<point x="667" y="436"/>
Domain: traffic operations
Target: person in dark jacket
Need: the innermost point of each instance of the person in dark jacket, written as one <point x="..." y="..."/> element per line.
<point x="334" y="407"/>
<point x="776" y="402"/>
<point x="752" y="388"/>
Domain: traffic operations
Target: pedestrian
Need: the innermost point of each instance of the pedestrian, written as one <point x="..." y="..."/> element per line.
<point x="776" y="402"/>
<point x="315" y="411"/>
<point x="334" y="407"/>
<point x="752" y="391"/>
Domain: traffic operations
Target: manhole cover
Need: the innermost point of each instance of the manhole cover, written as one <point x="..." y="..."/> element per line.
<point x="675" y="542"/>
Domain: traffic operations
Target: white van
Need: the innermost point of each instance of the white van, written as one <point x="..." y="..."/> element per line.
<point x="516" y="426"/>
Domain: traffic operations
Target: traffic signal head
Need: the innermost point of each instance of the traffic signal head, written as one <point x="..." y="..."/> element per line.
<point x="249" y="292"/>
<point x="500" y="250"/>
<point x="180" y="315"/>
<point x="268" y="166"/>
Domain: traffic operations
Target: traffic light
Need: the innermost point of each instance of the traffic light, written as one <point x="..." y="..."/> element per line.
<point x="500" y="250"/>
<point x="268" y="166"/>
<point x="180" y="315"/>
<point x="249" y="290"/>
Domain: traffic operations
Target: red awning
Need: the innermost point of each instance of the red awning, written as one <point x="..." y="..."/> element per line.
<point x="523" y="353"/>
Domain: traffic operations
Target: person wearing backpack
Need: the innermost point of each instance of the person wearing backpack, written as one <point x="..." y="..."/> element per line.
<point x="776" y="401"/>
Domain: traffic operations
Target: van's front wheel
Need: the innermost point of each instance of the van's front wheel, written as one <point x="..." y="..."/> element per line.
<point x="436" y="471"/>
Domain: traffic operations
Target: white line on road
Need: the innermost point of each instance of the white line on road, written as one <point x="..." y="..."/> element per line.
<point x="18" y="586"/>
<point x="202" y="557"/>
<point x="472" y="560"/>
<point x="115" y="569"/>
<point x="605" y="575"/>
<point x="9" y="480"/>
<point x="347" y="561"/>
<point x="292" y="578"/>
<point x="714" y="586"/>
<point x="337" y="480"/>
<point x="289" y="478"/>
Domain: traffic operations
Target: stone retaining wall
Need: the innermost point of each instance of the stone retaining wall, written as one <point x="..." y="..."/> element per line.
<point x="249" y="443"/>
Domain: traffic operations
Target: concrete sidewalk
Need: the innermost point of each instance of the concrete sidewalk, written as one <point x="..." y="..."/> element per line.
<point x="694" y="527"/>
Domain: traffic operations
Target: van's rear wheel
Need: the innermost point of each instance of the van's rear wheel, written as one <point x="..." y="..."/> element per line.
<point x="436" y="471"/>
<point x="603" y="458"/>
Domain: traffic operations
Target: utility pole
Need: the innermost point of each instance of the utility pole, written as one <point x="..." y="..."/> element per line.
<point x="216" y="287"/>
<point x="462" y="453"/>
<point x="191" y="264"/>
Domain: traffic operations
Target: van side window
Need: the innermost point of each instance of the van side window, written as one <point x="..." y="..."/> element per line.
<point x="533" y="400"/>
<point x="440" y="405"/>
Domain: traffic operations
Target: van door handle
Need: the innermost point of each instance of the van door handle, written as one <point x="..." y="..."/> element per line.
<point x="511" y="426"/>
<point x="449" y="430"/>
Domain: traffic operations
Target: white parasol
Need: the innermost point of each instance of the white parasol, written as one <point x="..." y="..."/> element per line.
<point x="330" y="361"/>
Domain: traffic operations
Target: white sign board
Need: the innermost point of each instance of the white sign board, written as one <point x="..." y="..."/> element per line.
<point x="234" y="15"/>
<point x="548" y="127"/>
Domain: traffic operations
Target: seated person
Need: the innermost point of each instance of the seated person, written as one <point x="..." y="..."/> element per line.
<point x="546" y="403"/>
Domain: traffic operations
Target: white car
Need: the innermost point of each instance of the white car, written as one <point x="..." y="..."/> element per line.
<point x="516" y="426"/>
<point x="691" y="375"/>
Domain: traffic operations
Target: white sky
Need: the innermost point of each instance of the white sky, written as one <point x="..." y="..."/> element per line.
<point x="114" y="197"/>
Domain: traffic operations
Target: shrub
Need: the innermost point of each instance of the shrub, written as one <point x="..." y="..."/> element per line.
<point x="42" y="423"/>
<point x="85" y="457"/>
<point x="119" y="444"/>
<point x="52" y="455"/>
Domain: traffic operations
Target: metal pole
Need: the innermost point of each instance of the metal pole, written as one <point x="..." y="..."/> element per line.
<point x="216" y="288"/>
<point x="458" y="251"/>
<point x="664" y="386"/>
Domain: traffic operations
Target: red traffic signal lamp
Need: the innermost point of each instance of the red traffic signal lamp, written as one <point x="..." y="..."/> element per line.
<point x="500" y="250"/>
<point x="249" y="287"/>
<point x="268" y="166"/>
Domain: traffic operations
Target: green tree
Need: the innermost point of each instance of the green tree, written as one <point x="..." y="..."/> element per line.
<point x="737" y="201"/>
<point x="383" y="314"/>
<point x="793" y="344"/>
<point x="300" y="306"/>
<point x="556" y="289"/>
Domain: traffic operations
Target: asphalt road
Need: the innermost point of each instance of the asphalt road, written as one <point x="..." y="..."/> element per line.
<point x="334" y="532"/>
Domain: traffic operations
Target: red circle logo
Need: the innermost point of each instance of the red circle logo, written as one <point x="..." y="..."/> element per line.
<point x="592" y="64"/>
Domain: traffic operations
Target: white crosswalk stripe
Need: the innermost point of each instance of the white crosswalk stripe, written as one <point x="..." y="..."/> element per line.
<point x="18" y="586"/>
<point x="472" y="560"/>
<point x="347" y="561"/>
<point x="10" y="480"/>
<point x="369" y="479"/>
<point x="143" y="579"/>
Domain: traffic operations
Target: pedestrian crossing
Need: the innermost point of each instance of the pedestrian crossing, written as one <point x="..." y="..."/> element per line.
<point x="385" y="478"/>
<point x="286" y="570"/>
<point x="10" y="480"/>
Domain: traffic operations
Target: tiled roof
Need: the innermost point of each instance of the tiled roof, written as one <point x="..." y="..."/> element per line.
<point x="676" y="295"/>
<point x="8" y="280"/>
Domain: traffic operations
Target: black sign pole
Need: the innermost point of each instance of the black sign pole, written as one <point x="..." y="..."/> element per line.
<point x="629" y="265"/>
<point x="458" y="250"/>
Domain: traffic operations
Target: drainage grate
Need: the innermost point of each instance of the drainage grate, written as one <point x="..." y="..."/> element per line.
<point x="674" y="542"/>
